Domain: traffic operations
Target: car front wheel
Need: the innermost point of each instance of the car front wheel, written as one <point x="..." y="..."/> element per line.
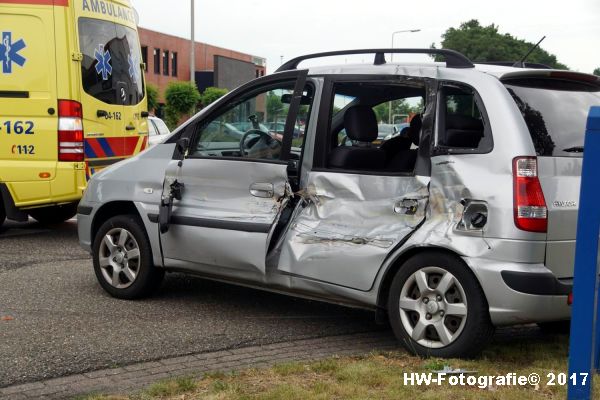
<point x="437" y="308"/>
<point x="123" y="259"/>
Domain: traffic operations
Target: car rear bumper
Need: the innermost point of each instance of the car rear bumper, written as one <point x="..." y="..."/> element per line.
<point x="520" y="293"/>
<point x="543" y="284"/>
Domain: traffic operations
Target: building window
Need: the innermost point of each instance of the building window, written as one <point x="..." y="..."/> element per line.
<point x="257" y="73"/>
<point x="262" y="73"/>
<point x="166" y="62"/>
<point x="157" y="61"/>
<point x="174" y="63"/>
<point x="145" y="57"/>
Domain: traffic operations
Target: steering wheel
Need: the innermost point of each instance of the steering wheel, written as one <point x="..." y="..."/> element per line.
<point x="262" y="136"/>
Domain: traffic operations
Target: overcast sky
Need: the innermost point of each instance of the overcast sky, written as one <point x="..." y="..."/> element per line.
<point x="275" y="28"/>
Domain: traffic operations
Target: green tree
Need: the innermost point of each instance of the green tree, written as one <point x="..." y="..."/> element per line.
<point x="597" y="71"/>
<point x="400" y="106"/>
<point x="181" y="99"/>
<point x="274" y="106"/>
<point x="485" y="43"/>
<point x="211" y="94"/>
<point x="152" y="96"/>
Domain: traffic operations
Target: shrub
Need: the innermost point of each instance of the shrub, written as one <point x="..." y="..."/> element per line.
<point x="152" y="97"/>
<point x="181" y="99"/>
<point x="211" y="94"/>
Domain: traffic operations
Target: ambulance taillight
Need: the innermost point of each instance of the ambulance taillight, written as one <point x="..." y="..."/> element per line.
<point x="70" y="131"/>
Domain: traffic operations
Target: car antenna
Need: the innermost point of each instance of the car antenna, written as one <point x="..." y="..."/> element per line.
<point x="521" y="64"/>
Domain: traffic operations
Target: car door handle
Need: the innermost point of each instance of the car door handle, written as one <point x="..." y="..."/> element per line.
<point x="406" y="206"/>
<point x="264" y="190"/>
<point x="130" y="127"/>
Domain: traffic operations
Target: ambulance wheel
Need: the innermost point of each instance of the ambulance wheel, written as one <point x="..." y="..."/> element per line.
<point x="55" y="214"/>
<point x="2" y="214"/>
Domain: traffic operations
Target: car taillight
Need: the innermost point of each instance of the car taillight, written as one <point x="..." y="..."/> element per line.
<point x="70" y="131"/>
<point x="531" y="213"/>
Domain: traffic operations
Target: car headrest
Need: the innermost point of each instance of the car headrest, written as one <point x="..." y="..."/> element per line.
<point x="361" y="123"/>
<point x="415" y="129"/>
<point x="463" y="122"/>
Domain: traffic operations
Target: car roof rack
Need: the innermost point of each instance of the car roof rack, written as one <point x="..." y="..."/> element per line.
<point x="453" y="58"/>
<point x="515" y="64"/>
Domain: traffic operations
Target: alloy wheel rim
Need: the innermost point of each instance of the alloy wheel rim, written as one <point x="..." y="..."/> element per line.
<point x="119" y="258"/>
<point x="433" y="307"/>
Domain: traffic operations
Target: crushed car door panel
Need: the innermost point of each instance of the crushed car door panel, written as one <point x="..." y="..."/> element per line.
<point x="349" y="224"/>
<point x="222" y="219"/>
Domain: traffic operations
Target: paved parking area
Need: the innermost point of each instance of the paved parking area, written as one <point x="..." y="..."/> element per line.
<point x="60" y="334"/>
<point x="55" y="320"/>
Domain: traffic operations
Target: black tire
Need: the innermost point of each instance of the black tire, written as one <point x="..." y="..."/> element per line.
<point x="2" y="214"/>
<point x="147" y="278"/>
<point x="473" y="331"/>
<point x="55" y="214"/>
<point x="555" y="327"/>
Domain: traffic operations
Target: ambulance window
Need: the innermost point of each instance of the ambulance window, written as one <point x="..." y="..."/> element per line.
<point x="111" y="66"/>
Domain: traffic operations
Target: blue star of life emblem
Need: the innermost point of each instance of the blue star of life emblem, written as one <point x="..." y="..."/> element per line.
<point x="103" y="66"/>
<point x="134" y="68"/>
<point x="9" y="52"/>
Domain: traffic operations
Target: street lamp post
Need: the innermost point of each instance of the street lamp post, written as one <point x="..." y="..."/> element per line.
<point x="193" y="51"/>
<point x="392" y="59"/>
<point x="402" y="31"/>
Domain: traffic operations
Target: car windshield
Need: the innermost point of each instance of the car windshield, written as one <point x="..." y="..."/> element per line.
<point x="111" y="67"/>
<point x="556" y="117"/>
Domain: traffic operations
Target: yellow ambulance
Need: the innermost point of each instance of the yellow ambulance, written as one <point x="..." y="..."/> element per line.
<point x="72" y="101"/>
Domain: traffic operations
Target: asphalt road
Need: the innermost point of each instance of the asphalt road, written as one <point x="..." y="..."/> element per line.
<point x="56" y="320"/>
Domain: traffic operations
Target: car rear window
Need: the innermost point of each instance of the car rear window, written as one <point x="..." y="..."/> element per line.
<point x="111" y="66"/>
<point x="555" y="113"/>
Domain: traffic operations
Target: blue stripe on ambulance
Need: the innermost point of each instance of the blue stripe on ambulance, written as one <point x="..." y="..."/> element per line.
<point x="106" y="147"/>
<point x="89" y="152"/>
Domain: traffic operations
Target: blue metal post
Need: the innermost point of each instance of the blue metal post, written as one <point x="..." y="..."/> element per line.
<point x="584" y="345"/>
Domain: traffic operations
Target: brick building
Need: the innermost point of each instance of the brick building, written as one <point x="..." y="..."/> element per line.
<point x="167" y="59"/>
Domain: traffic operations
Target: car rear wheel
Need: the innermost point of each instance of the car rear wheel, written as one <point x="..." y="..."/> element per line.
<point x="437" y="308"/>
<point x="55" y="214"/>
<point x="123" y="259"/>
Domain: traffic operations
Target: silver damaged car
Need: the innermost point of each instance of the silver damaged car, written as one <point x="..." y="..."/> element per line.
<point x="463" y="223"/>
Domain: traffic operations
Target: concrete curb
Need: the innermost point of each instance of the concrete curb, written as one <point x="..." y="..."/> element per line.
<point x="137" y="376"/>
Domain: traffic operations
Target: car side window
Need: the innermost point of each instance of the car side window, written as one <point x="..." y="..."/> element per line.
<point x="462" y="125"/>
<point x="252" y="127"/>
<point x="402" y="112"/>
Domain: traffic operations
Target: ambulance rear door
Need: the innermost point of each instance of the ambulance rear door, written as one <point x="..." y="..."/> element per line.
<point x="28" y="103"/>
